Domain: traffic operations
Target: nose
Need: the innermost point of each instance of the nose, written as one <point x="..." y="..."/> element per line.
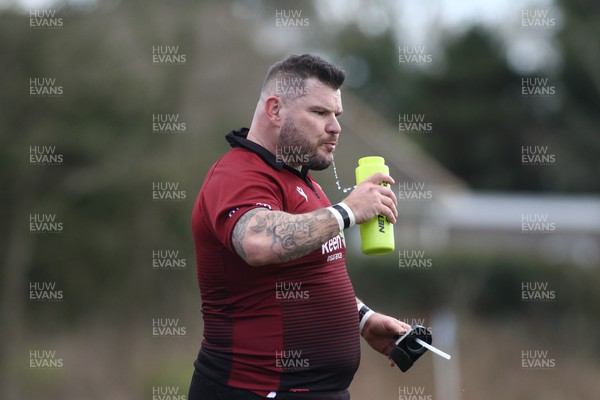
<point x="333" y="126"/>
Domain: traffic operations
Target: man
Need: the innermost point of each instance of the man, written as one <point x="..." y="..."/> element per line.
<point x="280" y="316"/>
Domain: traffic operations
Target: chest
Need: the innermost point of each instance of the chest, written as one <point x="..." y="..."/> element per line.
<point x="302" y="197"/>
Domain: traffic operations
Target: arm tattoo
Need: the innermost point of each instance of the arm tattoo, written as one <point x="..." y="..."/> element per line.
<point x="288" y="236"/>
<point x="239" y="232"/>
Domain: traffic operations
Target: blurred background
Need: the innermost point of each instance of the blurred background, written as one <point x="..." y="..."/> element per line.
<point x="487" y="113"/>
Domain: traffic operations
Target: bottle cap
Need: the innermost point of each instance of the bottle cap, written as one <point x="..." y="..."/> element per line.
<point x="371" y="160"/>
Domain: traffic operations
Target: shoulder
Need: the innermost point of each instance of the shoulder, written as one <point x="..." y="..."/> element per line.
<point x="241" y="167"/>
<point x="239" y="159"/>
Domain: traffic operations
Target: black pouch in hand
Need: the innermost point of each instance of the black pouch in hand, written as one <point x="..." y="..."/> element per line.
<point x="407" y="350"/>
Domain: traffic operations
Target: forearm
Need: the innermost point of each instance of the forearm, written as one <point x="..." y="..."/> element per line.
<point x="264" y="237"/>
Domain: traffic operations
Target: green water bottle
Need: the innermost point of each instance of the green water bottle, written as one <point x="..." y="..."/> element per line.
<point x="377" y="235"/>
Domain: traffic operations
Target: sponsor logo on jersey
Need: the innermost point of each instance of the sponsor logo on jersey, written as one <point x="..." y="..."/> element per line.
<point x="333" y="247"/>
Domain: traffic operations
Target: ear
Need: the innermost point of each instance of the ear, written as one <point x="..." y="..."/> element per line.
<point x="273" y="105"/>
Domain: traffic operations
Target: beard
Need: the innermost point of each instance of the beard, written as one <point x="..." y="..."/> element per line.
<point x="297" y="150"/>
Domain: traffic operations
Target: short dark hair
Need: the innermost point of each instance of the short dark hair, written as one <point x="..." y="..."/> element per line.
<point x="303" y="67"/>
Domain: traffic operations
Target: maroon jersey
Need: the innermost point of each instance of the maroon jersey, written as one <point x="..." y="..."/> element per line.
<point x="289" y="327"/>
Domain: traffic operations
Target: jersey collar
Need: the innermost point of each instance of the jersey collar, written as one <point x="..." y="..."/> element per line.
<point x="238" y="138"/>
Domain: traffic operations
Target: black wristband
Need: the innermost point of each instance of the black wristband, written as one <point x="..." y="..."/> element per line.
<point x="364" y="313"/>
<point x="363" y="310"/>
<point x="344" y="215"/>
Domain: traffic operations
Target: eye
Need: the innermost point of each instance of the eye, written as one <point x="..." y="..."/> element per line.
<point x="320" y="113"/>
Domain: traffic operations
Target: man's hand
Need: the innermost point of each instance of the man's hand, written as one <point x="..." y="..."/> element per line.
<point x="370" y="198"/>
<point x="380" y="331"/>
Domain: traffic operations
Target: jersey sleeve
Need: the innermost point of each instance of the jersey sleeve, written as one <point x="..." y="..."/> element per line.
<point x="230" y="193"/>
